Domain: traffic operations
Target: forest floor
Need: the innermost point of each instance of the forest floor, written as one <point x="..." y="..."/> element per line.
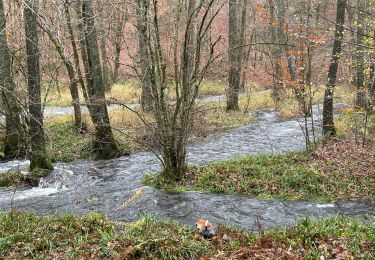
<point x="24" y="235"/>
<point x="127" y="92"/>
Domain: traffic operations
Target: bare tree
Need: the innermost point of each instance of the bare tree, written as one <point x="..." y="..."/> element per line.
<point x="359" y="55"/>
<point x="104" y="144"/>
<point x="117" y="39"/>
<point x="38" y="158"/>
<point x="15" y="133"/>
<point x="73" y="79"/>
<point x="146" y="97"/>
<point x="275" y="25"/>
<point x="328" y="123"/>
<point x="174" y="120"/>
<point x="76" y="58"/>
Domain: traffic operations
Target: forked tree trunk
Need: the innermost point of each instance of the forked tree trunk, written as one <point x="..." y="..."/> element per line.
<point x="174" y="122"/>
<point x="38" y="158"/>
<point x="328" y="123"/>
<point x="105" y="145"/>
<point x="14" y="136"/>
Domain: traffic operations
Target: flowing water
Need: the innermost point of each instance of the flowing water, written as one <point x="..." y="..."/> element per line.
<point x="113" y="187"/>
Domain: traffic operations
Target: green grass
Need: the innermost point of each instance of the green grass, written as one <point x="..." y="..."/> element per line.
<point x="24" y="235"/>
<point x="123" y="91"/>
<point x="294" y="176"/>
<point x="352" y="123"/>
<point x="28" y="236"/>
<point x="17" y="179"/>
<point x="66" y="145"/>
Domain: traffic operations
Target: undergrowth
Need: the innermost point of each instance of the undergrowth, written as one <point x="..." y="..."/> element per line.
<point x="24" y="235"/>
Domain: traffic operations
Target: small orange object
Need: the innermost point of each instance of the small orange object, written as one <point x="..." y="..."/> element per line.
<point x="206" y="229"/>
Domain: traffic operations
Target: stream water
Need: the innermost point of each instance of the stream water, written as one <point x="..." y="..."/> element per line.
<point x="113" y="187"/>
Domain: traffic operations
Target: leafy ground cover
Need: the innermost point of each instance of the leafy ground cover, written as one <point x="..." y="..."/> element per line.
<point x="339" y="170"/>
<point x="24" y="235"/>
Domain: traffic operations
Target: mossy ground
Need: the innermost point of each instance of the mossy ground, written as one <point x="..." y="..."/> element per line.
<point x="342" y="170"/>
<point x="24" y="235"/>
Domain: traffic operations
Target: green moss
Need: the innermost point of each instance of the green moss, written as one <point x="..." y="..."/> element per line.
<point x="40" y="163"/>
<point x="17" y="179"/>
<point x="24" y="235"/>
<point x="107" y="151"/>
<point x="66" y="145"/>
<point x="295" y="176"/>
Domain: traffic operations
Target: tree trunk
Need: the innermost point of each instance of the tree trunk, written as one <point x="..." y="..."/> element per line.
<point x="38" y="158"/>
<point x="146" y="97"/>
<point x="75" y="54"/>
<point x="15" y="133"/>
<point x="105" y="145"/>
<point x="234" y="76"/>
<point x="328" y="123"/>
<point x="359" y="55"/>
<point x="244" y="55"/>
<point x="276" y="51"/>
<point x="118" y="43"/>
<point x="103" y="47"/>
<point x="371" y="86"/>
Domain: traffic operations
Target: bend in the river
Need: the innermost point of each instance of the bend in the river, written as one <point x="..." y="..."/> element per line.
<point x="113" y="187"/>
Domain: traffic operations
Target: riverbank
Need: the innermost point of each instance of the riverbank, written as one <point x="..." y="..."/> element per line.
<point x="339" y="170"/>
<point x="24" y="235"/>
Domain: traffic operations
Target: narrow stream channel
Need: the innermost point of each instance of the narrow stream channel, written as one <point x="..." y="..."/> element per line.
<point x="113" y="187"/>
